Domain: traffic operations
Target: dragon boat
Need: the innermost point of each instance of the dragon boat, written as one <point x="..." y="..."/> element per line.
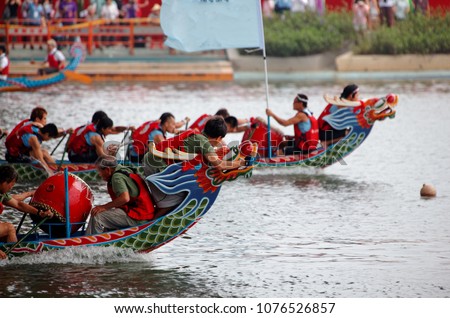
<point x="357" y="118"/>
<point x="70" y="199"/>
<point x="34" y="172"/>
<point x="30" y="83"/>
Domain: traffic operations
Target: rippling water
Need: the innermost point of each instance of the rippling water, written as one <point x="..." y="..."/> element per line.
<point x="358" y="229"/>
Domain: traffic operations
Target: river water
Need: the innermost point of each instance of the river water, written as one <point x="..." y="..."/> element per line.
<point x="356" y="229"/>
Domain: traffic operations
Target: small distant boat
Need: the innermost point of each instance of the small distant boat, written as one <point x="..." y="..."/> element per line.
<point x="356" y="118"/>
<point x="200" y="184"/>
<point x="30" y="83"/>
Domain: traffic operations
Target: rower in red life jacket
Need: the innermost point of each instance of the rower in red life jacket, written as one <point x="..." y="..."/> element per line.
<point x="131" y="203"/>
<point x="38" y="118"/>
<point x="25" y="145"/>
<point x="154" y="131"/>
<point x="234" y="124"/>
<point x="190" y="141"/>
<point x="4" y="64"/>
<point x="327" y="134"/>
<point x="55" y="61"/>
<point x="86" y="143"/>
<point x="306" y="132"/>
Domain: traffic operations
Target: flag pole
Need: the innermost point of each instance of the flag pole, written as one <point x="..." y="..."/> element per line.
<point x="266" y="79"/>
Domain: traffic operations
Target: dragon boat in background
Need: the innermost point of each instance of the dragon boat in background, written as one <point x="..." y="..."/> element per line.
<point x="30" y="83"/>
<point x="356" y="118"/>
<point x="70" y="198"/>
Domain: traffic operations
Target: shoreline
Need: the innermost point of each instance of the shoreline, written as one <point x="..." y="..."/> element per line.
<point x="146" y="65"/>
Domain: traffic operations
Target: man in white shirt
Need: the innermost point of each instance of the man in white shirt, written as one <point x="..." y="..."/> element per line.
<point x="55" y="59"/>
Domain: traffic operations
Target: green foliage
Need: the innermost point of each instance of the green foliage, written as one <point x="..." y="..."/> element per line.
<point x="299" y="34"/>
<point x="306" y="33"/>
<point x="416" y="35"/>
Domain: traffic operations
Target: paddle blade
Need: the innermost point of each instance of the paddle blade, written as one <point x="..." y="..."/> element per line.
<point x="78" y="77"/>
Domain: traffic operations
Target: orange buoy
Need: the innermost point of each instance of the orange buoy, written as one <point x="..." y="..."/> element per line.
<point x="428" y="190"/>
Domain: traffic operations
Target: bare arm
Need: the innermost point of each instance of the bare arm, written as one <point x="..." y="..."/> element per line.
<point x="38" y="155"/>
<point x="223" y="164"/>
<point x="287" y="122"/>
<point x="98" y="142"/>
<point x="117" y="202"/>
<point x="26" y="208"/>
<point x="23" y="196"/>
<point x="158" y="138"/>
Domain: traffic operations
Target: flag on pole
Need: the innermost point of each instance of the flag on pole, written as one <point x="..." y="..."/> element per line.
<point x="199" y="25"/>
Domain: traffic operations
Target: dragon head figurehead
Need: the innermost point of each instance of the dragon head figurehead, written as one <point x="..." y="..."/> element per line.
<point x="365" y="112"/>
<point x="380" y="108"/>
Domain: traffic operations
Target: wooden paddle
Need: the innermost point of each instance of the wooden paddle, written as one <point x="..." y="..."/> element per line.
<point x="26" y="235"/>
<point x="77" y="77"/>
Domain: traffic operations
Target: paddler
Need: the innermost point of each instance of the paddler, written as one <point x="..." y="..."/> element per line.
<point x="131" y="203"/>
<point x="86" y="144"/>
<point x="25" y="145"/>
<point x="306" y="133"/>
<point x="8" y="177"/>
<point x="151" y="131"/>
<point x="194" y="142"/>
<point x="327" y="134"/>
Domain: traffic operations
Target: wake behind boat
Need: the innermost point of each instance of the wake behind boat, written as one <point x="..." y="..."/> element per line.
<point x="199" y="183"/>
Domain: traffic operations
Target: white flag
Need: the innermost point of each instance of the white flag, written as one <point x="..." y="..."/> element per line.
<point x="198" y="25"/>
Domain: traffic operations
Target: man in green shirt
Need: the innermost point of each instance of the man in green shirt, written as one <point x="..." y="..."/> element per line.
<point x="192" y="142"/>
<point x="8" y="177"/>
<point x="130" y="204"/>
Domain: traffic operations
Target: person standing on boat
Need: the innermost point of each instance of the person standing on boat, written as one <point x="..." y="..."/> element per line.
<point x="151" y="131"/>
<point x="55" y="61"/>
<point x="327" y="134"/>
<point x="193" y="142"/>
<point x="25" y="146"/>
<point x="306" y="132"/>
<point x="131" y="203"/>
<point x="8" y="177"/>
<point x="86" y="145"/>
<point x="4" y="64"/>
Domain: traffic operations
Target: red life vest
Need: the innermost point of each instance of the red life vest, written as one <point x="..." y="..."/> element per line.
<point x="15" y="145"/>
<point x="16" y="129"/>
<point x="200" y="123"/>
<point x="323" y="125"/>
<point x="308" y="140"/>
<point x="77" y="143"/>
<point x="140" y="207"/>
<point x="176" y="142"/>
<point x="140" y="136"/>
<point x="1" y="208"/>
<point x="53" y="62"/>
<point x="5" y="71"/>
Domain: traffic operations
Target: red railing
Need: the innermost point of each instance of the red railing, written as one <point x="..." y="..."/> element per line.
<point x="131" y="33"/>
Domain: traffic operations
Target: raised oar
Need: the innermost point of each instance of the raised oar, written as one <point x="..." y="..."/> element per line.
<point x="64" y="152"/>
<point x="53" y="151"/>
<point x="187" y="122"/>
<point x="26" y="235"/>
<point x="77" y="77"/>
